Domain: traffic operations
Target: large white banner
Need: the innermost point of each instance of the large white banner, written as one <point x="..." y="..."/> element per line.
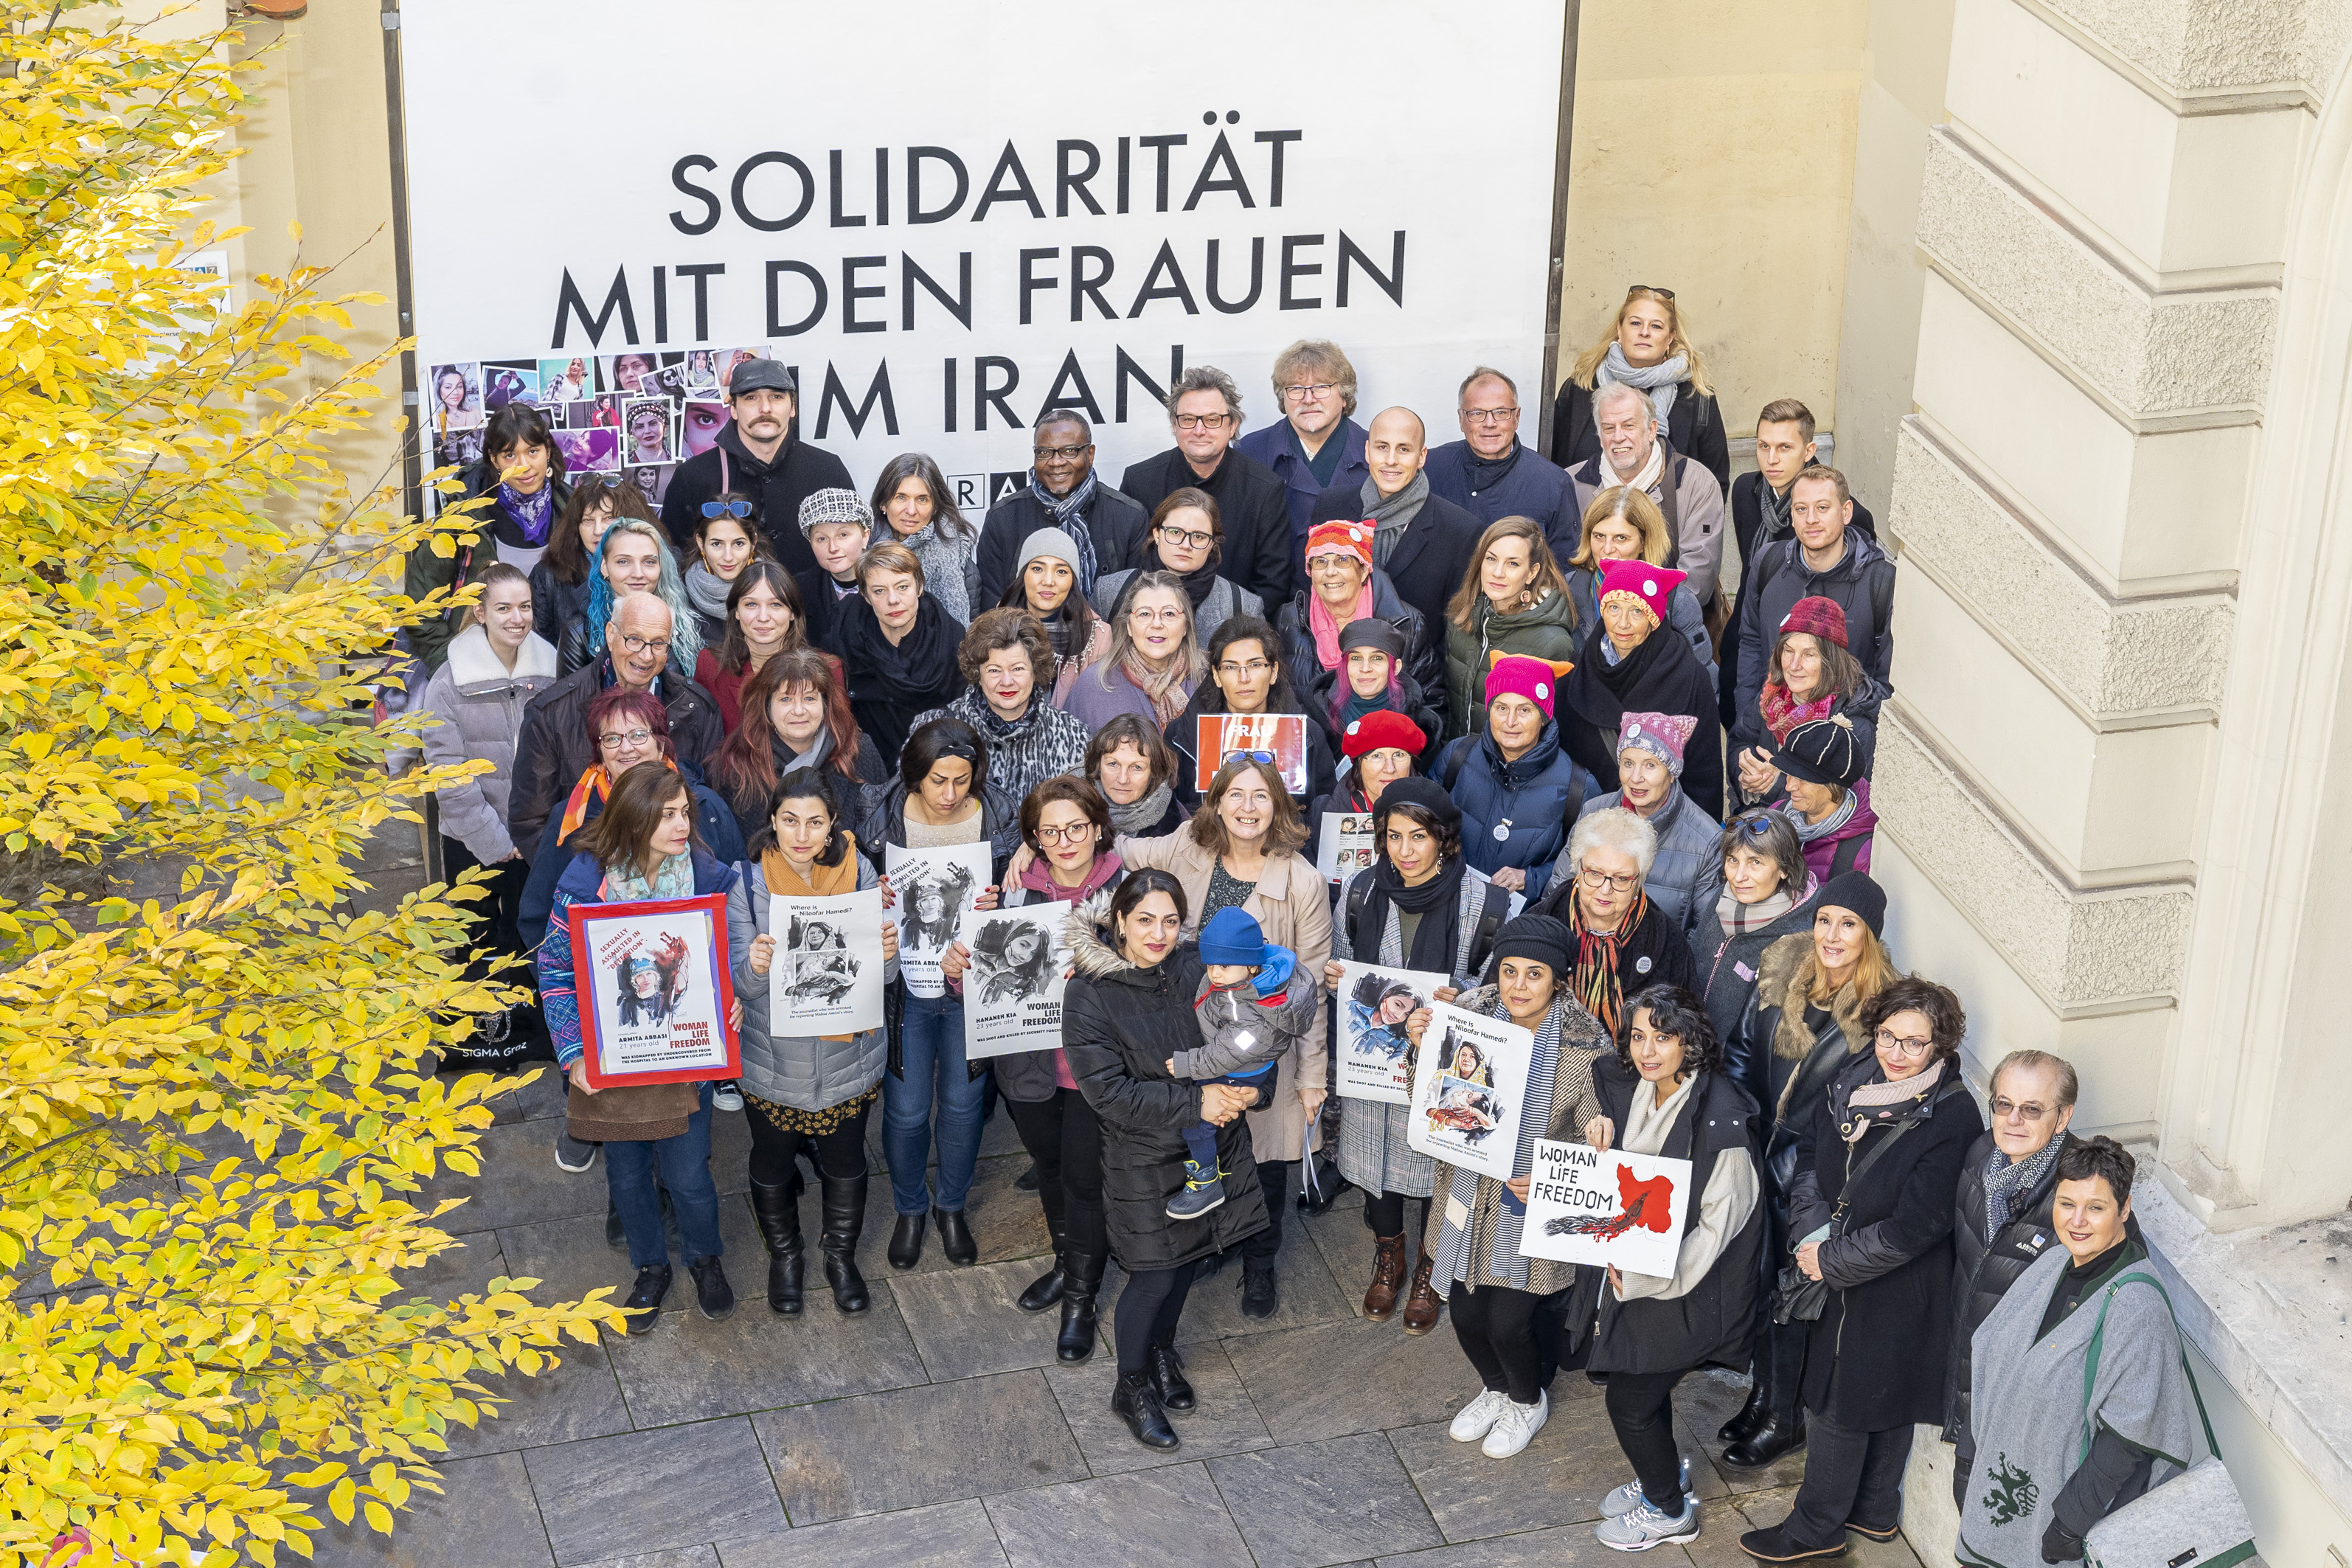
<point x="947" y="217"/>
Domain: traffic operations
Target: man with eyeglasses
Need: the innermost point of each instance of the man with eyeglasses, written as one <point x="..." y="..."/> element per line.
<point x="1488" y="473"/>
<point x="1420" y="539"/>
<point x="760" y="453"/>
<point x="1635" y="451"/>
<point x="1316" y="446"/>
<point x="1205" y="410"/>
<point x="555" y="748"/>
<point x="1063" y="492"/>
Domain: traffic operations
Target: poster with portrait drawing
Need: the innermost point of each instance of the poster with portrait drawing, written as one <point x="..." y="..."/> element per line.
<point x="1469" y="1086"/>
<point x="935" y="887"/>
<point x="654" y="989"/>
<point x="1013" y="991"/>
<point x="826" y="976"/>
<point x="1587" y="1207"/>
<point x="1346" y="845"/>
<point x="1375" y="1054"/>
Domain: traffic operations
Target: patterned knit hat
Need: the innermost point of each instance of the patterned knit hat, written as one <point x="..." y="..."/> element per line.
<point x="833" y="504"/>
<point x="1651" y="586"/>
<point x="1355" y="538"/>
<point x="1817" y="618"/>
<point x="1662" y="735"/>
<point x="1824" y="752"/>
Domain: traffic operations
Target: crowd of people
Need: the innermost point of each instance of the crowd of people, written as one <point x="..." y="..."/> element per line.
<point x="1614" y="803"/>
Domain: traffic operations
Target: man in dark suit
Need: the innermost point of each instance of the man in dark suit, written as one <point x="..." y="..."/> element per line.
<point x="1205" y="410"/>
<point x="1421" y="539"/>
<point x="1317" y="444"/>
<point x="1063" y="492"/>
<point x="756" y="455"/>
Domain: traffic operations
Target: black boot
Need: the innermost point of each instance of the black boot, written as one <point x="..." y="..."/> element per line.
<point x="1046" y="1289"/>
<point x="1166" y="1374"/>
<point x="956" y="1239"/>
<point x="1782" y="1430"/>
<point x="1136" y="1403"/>
<point x="778" y="1210"/>
<point x="1082" y="1279"/>
<point x="1742" y="1426"/>
<point x="906" y="1241"/>
<point x="844" y="1221"/>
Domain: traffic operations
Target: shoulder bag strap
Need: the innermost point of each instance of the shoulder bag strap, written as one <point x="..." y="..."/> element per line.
<point x="2098" y="1335"/>
<point x="1849" y="850"/>
<point x="1455" y="759"/>
<point x="1490" y="921"/>
<point x="1837" y="1217"/>
<point x="1359" y="891"/>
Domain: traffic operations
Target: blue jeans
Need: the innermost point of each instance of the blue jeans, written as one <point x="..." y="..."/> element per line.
<point x="685" y="1163"/>
<point x="1200" y="1138"/>
<point x="933" y="1054"/>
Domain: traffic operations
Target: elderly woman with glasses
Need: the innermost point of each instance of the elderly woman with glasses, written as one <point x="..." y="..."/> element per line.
<point x="1152" y="663"/>
<point x="1625" y="943"/>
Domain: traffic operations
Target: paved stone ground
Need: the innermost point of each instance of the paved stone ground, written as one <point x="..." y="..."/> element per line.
<point x="937" y="1428"/>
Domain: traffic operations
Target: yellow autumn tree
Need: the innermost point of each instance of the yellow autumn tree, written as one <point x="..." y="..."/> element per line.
<point x="215" y="1119"/>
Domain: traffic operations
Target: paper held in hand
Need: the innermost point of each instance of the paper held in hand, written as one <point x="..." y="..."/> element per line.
<point x="935" y="890"/>
<point x="1013" y="990"/>
<point x="1282" y="735"/>
<point x="655" y="986"/>
<point x="1376" y="1055"/>
<point x="1346" y="845"/>
<point x="1585" y="1207"/>
<point x="826" y="976"/>
<point x="1470" y="1083"/>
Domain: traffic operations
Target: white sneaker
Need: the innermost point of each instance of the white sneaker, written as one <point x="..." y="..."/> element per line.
<point x="727" y="1096"/>
<point x="1624" y="1500"/>
<point x="1646" y="1527"/>
<point x="1517" y="1427"/>
<point x="1477" y="1418"/>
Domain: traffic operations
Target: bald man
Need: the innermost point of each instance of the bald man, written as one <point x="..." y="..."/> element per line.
<point x="555" y="747"/>
<point x="1421" y="541"/>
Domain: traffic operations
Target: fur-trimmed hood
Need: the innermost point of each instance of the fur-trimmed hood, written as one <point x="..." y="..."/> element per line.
<point x="1089" y="920"/>
<point x="1785" y="980"/>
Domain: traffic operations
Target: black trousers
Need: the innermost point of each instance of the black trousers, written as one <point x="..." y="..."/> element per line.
<point x="1497" y="1328"/>
<point x="840" y="1154"/>
<point x="1642" y="1410"/>
<point x="1384" y="1211"/>
<point x="1065" y="1137"/>
<point x="1149" y="1308"/>
<point x="1277" y="1179"/>
<point x="1849" y="1475"/>
<point x="523" y="1037"/>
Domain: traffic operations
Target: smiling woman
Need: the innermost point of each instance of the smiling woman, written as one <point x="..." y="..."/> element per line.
<point x="1009" y="663"/>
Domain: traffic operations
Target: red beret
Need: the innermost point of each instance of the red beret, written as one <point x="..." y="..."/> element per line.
<point x="1383" y="727"/>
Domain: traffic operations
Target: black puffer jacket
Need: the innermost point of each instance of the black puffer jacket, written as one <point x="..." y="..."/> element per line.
<point x="1983" y="1271"/>
<point x="1119" y="1027"/>
<point x="555" y="748"/>
<point x="559" y="612"/>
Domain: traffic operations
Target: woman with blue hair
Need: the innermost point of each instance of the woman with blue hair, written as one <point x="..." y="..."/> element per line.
<point x="633" y="558"/>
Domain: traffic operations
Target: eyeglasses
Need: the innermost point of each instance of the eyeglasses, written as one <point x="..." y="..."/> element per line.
<point x="1489" y="415"/>
<point x="639" y="645"/>
<point x="624" y="737"/>
<point x="1190" y="538"/>
<point x="1076" y="833"/>
<point x="1888" y="1040"/>
<point x="735" y="509"/>
<point x="1303" y="391"/>
<point x="1060" y="454"/>
<point x="1202" y="421"/>
<point x="1233" y="671"/>
<point x="1156" y="617"/>
<point x="1600" y="883"/>
<point x="2007" y="1110"/>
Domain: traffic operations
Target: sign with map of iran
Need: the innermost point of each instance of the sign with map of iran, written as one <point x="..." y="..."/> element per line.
<point x="1585" y="1205"/>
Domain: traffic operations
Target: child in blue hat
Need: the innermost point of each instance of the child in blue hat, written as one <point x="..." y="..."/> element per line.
<point x="1253" y="1002"/>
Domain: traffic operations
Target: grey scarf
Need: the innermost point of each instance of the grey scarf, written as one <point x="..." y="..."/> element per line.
<point x="1390" y="516"/>
<point x="1774" y="506"/>
<point x="705" y="591"/>
<point x="1140" y="816"/>
<point x="1661" y="381"/>
<point x="1808" y="831"/>
<point x="1069" y="515"/>
<point x="2007" y="1181"/>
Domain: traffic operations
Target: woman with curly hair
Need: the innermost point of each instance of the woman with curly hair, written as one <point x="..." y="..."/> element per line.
<point x="1009" y="664"/>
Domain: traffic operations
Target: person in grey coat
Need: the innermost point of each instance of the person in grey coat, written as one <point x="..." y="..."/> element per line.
<point x="805" y="1090"/>
<point x="1649" y="772"/>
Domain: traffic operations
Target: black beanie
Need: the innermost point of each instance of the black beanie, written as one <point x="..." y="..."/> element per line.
<point x="1540" y="937"/>
<point x="1823" y="752"/>
<point x="1854" y="890"/>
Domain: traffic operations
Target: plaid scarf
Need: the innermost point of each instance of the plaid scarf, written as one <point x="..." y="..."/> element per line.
<point x="1782" y="713"/>
<point x="1595" y="974"/>
<point x="2006" y="1180"/>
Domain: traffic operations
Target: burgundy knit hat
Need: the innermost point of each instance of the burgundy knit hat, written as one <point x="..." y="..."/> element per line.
<point x="1517" y="675"/>
<point x="1817" y="618"/>
<point x="1379" y="728"/>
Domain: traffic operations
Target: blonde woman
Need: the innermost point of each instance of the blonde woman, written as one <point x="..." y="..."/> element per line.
<point x="1153" y="663"/>
<point x="1647" y="346"/>
<point x="1624" y="524"/>
<point x="1513" y="600"/>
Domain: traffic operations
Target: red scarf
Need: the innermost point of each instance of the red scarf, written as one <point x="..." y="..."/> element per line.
<point x="1595" y="975"/>
<point x="1782" y="713"/>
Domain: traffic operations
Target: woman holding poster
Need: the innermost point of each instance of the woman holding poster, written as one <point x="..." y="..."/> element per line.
<point x="1490" y="1285"/>
<point x="1420" y="908"/>
<point x="642" y="847"/>
<point x="1246" y="678"/>
<point x="805" y="1091"/>
<point x="1663" y="1092"/>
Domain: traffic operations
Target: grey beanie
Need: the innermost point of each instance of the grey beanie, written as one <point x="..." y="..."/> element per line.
<point x="1051" y="542"/>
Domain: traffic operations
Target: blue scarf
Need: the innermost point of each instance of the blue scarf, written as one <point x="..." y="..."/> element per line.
<point x="530" y="513"/>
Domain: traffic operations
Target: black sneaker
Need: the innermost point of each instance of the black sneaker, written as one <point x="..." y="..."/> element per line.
<point x="1260" y="1299"/>
<point x="572" y="1153"/>
<point x="712" y="1294"/>
<point x="644" y="1305"/>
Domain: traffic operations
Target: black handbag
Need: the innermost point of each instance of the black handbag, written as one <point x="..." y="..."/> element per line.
<point x="1798" y="1299"/>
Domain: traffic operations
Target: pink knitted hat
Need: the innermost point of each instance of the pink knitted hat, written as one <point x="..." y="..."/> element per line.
<point x="1517" y="675"/>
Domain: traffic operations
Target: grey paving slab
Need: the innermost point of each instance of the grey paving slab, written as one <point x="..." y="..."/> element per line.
<point x="949" y="1535"/>
<point x="567" y="1257"/>
<point x="1350" y="1376"/>
<point x="1346" y="1244"/>
<point x="1166" y="1516"/>
<point x="703" y="1557"/>
<point x="902" y="1449"/>
<point x="1566" y="1546"/>
<point x="965" y="1324"/>
<point x="1322" y="1503"/>
<point x="1705" y="1401"/>
<point x="654" y="1491"/>
<point x="521" y="1183"/>
<point x="1224" y="1420"/>
<point x="1306" y="1293"/>
<point x="464" y="1270"/>
<point x="1006" y="1222"/>
<point x="580" y="1398"/>
<point x="540" y="1098"/>
<point x="448" y="1530"/>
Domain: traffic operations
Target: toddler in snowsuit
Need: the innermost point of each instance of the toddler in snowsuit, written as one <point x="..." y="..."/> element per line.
<point x="1253" y="1002"/>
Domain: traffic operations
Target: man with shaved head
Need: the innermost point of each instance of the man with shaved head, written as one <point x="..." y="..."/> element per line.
<point x="1420" y="539"/>
<point x="1635" y="450"/>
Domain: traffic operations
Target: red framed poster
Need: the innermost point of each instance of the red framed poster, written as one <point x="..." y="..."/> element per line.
<point x="655" y="991"/>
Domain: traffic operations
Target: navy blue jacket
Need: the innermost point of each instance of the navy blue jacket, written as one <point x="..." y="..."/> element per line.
<point x="551" y="857"/>
<point x="1535" y="487"/>
<point x="1537" y="796"/>
<point x="1276" y="447"/>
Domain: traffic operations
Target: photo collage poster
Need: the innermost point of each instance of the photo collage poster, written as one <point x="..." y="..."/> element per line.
<point x="1376" y="1057"/>
<point x="935" y="890"/>
<point x="826" y="976"/>
<point x="1344" y="846"/>
<point x="654" y="992"/>
<point x="1469" y="1086"/>
<point x="1013" y="991"/>
<point x="631" y="416"/>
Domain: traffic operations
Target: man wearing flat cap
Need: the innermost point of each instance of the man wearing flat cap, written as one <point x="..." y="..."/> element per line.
<point x="760" y="455"/>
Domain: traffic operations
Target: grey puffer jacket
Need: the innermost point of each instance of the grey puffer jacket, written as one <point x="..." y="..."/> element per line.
<point x="1245" y="1034"/>
<point x="473" y="712"/>
<point x="1680" y="874"/>
<point x="804" y="1072"/>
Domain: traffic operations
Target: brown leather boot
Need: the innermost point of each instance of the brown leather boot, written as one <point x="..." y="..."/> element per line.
<point x="1423" y="1306"/>
<point x="1387" y="1277"/>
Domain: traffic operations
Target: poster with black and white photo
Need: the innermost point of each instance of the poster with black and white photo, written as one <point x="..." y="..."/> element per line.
<point x="826" y="977"/>
<point x="934" y="889"/>
<point x="655" y="989"/>
<point x="1375" y="1053"/>
<point x="1346" y="845"/>
<point x="1013" y="991"/>
<point x="1469" y="1086"/>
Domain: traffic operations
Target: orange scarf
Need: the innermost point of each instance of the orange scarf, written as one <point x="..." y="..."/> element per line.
<point x="594" y="785"/>
<point x="784" y="881"/>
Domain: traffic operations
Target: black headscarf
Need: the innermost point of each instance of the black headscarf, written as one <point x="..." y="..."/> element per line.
<point x="1602" y="693"/>
<point x="1434" y="944"/>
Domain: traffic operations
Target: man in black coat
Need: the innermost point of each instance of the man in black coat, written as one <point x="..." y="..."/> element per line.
<point x="1827" y="557"/>
<point x="1488" y="473"/>
<point x="759" y="455"/>
<point x="1205" y="410"/>
<point x="1063" y="492"/>
<point x="1421" y="540"/>
<point x="555" y="747"/>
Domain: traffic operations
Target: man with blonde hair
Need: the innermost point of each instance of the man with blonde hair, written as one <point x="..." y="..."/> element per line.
<point x="1316" y="446"/>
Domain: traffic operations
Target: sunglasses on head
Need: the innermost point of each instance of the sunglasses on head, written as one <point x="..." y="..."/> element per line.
<point x="1757" y="826"/>
<point x="734" y="509"/>
<point x="1653" y="288"/>
<point x="1265" y="757"/>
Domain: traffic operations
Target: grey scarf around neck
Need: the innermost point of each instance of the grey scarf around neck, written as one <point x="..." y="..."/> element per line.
<point x="1774" y="505"/>
<point x="1069" y="515"/>
<point x="1390" y="516"/>
<point x="2006" y="1182"/>
<point x="705" y="591"/>
<point x="1140" y="816"/>
<point x="1662" y="381"/>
